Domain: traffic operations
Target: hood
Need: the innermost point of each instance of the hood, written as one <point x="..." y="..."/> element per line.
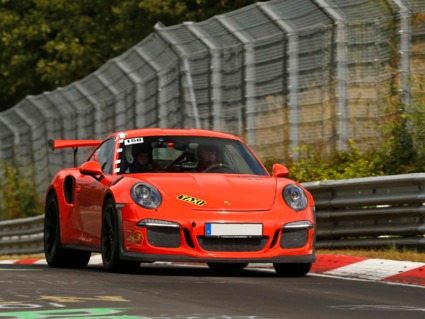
<point x="217" y="191"/>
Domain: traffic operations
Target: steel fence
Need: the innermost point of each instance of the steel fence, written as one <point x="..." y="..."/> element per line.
<point x="280" y="74"/>
<point x="368" y="212"/>
<point x="21" y="236"/>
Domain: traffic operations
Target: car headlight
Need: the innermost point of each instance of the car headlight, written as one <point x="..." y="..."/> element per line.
<point x="146" y="195"/>
<point x="295" y="197"/>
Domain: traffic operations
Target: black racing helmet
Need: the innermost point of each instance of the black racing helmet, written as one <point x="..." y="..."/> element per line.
<point x="142" y="148"/>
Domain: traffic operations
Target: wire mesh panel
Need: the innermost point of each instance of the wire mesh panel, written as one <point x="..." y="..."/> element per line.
<point x="148" y="115"/>
<point x="280" y="74"/>
<point x="417" y="16"/>
<point x="115" y="78"/>
<point x="232" y="59"/>
<point x="22" y="140"/>
<point x="7" y="144"/>
<point x="37" y="166"/>
<point x="125" y="107"/>
<point x="69" y="98"/>
<point x="370" y="53"/>
<point x="271" y="103"/>
<point x="170" y="113"/>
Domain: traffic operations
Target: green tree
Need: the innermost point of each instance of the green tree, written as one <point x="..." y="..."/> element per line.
<point x="45" y="44"/>
<point x="18" y="196"/>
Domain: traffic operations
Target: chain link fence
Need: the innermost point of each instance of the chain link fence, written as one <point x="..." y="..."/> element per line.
<point x="280" y="74"/>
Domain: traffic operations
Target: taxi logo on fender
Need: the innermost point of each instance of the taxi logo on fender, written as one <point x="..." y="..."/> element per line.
<point x="192" y="200"/>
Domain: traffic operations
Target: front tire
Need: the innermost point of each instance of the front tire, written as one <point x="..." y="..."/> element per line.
<point x="57" y="256"/>
<point x="292" y="269"/>
<point x="110" y="242"/>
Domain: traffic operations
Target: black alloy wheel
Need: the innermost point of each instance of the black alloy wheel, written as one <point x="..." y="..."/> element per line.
<point x="110" y="242"/>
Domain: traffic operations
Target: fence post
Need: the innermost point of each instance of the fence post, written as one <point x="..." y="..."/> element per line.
<point x="185" y="69"/>
<point x="405" y="51"/>
<point x="250" y="89"/>
<point x="141" y="91"/>
<point x="215" y="72"/>
<point x="341" y="71"/>
<point x="293" y="70"/>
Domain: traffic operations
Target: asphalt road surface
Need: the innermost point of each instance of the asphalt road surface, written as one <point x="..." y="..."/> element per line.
<point x="170" y="291"/>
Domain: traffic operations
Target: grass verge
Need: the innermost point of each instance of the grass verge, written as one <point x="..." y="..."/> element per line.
<point x="391" y="253"/>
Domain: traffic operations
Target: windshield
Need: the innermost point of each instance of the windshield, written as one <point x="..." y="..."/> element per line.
<point x="176" y="154"/>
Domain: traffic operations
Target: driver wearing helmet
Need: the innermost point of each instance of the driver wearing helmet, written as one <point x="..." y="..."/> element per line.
<point x="142" y="160"/>
<point x="207" y="156"/>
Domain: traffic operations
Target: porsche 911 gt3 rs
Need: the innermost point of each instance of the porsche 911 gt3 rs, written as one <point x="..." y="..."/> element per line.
<point x="177" y="195"/>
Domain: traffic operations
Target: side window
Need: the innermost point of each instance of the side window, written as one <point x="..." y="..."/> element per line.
<point x="105" y="155"/>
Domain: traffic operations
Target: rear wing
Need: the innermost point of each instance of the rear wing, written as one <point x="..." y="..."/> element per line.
<point x="74" y="144"/>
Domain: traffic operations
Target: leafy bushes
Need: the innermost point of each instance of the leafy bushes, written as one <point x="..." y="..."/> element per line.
<point x="402" y="151"/>
<point x="313" y="165"/>
<point x="18" y="196"/>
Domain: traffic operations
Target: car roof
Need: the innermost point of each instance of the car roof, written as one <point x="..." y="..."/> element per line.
<point x="174" y="132"/>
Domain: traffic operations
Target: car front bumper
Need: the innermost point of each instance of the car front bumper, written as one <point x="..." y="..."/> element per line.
<point x="180" y="242"/>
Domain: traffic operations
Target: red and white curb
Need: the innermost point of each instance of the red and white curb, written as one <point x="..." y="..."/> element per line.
<point x="404" y="272"/>
<point x="94" y="260"/>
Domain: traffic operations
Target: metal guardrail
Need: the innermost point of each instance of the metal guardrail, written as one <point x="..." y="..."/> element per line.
<point x="22" y="236"/>
<point x="352" y="213"/>
<point x="370" y="212"/>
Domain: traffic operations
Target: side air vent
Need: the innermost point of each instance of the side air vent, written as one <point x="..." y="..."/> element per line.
<point x="68" y="189"/>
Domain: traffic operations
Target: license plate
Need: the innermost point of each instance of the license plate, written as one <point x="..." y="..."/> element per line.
<point x="233" y="230"/>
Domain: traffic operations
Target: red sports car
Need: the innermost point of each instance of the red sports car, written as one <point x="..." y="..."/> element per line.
<point x="181" y="195"/>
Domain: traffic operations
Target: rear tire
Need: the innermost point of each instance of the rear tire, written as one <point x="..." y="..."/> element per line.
<point x="57" y="256"/>
<point x="110" y="242"/>
<point x="292" y="269"/>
